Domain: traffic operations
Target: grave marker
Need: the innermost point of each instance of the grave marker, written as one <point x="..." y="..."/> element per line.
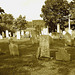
<point x="44" y="45"/>
<point x="18" y="34"/>
<point x="3" y="34"/>
<point x="22" y="33"/>
<point x="58" y="28"/>
<point x="1" y="37"/>
<point x="62" y="55"/>
<point x="7" y="35"/>
<point x="13" y="48"/>
<point x="10" y="34"/>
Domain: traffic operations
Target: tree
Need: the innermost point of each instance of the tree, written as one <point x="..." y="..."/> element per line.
<point x="1" y="11"/>
<point x="20" y="22"/>
<point x="72" y="13"/>
<point x="7" y="18"/>
<point x="53" y="12"/>
<point x="72" y="9"/>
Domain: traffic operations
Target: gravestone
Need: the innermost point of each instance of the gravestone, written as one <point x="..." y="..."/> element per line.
<point x="67" y="37"/>
<point x="1" y="37"/>
<point x="18" y="34"/>
<point x="10" y="34"/>
<point x="13" y="48"/>
<point x="13" y="34"/>
<point x="22" y="33"/>
<point x="3" y="34"/>
<point x="58" y="28"/>
<point x="27" y="34"/>
<point x="44" y="31"/>
<point x="64" y="32"/>
<point x="7" y="34"/>
<point x="62" y="55"/>
<point x="44" y="46"/>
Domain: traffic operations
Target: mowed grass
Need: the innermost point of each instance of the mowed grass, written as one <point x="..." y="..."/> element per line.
<point x="15" y="65"/>
<point x="27" y="63"/>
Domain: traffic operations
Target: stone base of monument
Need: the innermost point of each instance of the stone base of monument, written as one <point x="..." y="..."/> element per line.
<point x="43" y="52"/>
<point x="63" y="55"/>
<point x="13" y="48"/>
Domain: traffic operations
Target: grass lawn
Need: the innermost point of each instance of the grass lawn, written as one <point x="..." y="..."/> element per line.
<point x="27" y="63"/>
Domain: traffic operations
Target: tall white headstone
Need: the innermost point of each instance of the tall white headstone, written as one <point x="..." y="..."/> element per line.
<point x="1" y="36"/>
<point x="7" y="34"/>
<point x="58" y="28"/>
<point x="22" y="32"/>
<point x="69" y="22"/>
<point x="18" y="34"/>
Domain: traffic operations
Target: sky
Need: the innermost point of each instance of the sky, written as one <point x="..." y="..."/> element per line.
<point x="29" y="8"/>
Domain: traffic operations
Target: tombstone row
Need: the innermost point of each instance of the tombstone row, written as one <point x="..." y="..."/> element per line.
<point x="17" y="35"/>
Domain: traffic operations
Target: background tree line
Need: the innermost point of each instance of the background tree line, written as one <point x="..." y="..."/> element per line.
<point x="7" y="21"/>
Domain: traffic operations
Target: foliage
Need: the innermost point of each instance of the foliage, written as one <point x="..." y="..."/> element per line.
<point x="53" y="12"/>
<point x="7" y="18"/>
<point x="1" y="10"/>
<point x="20" y="22"/>
<point x="72" y="9"/>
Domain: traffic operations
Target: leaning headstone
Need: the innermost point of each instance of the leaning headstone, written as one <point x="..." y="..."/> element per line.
<point x="13" y="48"/>
<point x="62" y="55"/>
<point x="18" y="34"/>
<point x="44" y="46"/>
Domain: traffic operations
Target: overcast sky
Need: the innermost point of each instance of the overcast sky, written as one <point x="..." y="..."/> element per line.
<point x="29" y="8"/>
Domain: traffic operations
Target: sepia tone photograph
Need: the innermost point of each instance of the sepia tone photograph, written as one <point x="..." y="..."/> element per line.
<point x="37" y="37"/>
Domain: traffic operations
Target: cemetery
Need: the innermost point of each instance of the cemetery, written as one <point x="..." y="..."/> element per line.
<point x="41" y="44"/>
<point x="21" y="47"/>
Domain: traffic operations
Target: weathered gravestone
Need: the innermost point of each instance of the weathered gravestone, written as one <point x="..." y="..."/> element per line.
<point x="67" y="37"/>
<point x="62" y="55"/>
<point x="3" y="34"/>
<point x="13" y="48"/>
<point x="44" y="46"/>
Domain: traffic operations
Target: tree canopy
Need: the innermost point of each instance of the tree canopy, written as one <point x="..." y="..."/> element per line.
<point x="54" y="12"/>
<point x="1" y="10"/>
<point x="7" y="18"/>
<point x="20" y="22"/>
